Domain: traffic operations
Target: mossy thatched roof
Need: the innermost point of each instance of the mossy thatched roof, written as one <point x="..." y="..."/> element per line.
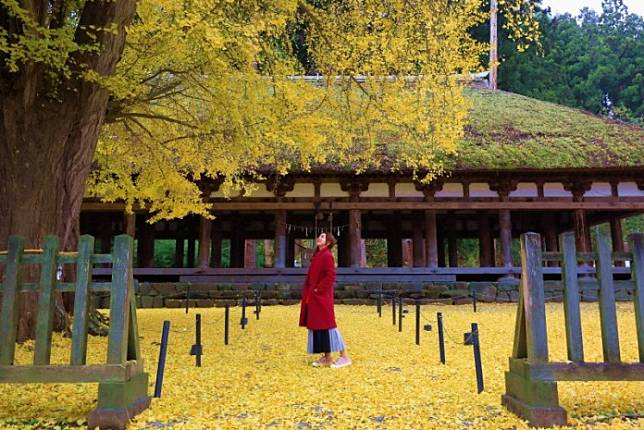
<point x="509" y="131"/>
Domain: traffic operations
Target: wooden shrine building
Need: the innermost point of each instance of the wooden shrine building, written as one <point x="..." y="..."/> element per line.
<point x="525" y="166"/>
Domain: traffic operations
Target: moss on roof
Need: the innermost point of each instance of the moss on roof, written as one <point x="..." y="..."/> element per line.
<point x="510" y="131"/>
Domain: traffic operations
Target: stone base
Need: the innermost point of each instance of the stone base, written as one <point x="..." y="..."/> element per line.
<point x="116" y="419"/>
<point x="537" y="416"/>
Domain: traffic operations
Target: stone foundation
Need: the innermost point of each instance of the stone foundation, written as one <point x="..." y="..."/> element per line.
<point x="174" y="295"/>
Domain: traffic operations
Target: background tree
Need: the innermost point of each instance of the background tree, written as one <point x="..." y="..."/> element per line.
<point x="593" y="62"/>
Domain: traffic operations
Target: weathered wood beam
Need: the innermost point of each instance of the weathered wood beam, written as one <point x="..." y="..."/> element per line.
<point x="129" y="224"/>
<point x="216" y="238"/>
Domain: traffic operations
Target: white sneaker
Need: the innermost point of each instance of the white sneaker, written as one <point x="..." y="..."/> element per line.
<point x="322" y="362"/>
<point x="341" y="362"/>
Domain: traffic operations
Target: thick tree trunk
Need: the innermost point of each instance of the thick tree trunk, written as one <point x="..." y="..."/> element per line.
<point x="47" y="144"/>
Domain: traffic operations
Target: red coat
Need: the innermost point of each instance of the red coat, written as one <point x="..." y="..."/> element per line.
<point x="316" y="310"/>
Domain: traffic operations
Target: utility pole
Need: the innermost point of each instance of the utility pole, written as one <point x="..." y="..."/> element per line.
<point x="494" y="57"/>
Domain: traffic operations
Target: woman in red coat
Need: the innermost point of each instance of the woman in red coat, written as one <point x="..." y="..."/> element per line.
<point x="316" y="311"/>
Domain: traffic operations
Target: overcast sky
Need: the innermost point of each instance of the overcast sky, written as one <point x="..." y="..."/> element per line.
<point x="574" y="6"/>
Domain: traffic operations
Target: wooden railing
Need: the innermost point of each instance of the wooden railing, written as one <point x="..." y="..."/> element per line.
<point x="531" y="382"/>
<point x="122" y="381"/>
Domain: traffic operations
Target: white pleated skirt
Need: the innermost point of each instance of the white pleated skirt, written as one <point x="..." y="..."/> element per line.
<point x="320" y="341"/>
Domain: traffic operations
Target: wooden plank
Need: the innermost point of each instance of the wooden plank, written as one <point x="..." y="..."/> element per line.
<point x="636" y="245"/>
<point x="119" y="300"/>
<point x="533" y="298"/>
<point x="81" y="300"/>
<point x="46" y="301"/>
<point x="607" y="310"/>
<point x="9" y="310"/>
<point x="572" y="315"/>
<point x="554" y="372"/>
<point x="68" y="373"/>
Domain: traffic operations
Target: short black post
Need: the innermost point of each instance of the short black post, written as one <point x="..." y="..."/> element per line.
<point x="441" y="337"/>
<point x="417" y="323"/>
<point x="477" y="357"/>
<point x="243" y="321"/>
<point x="197" y="348"/>
<point x="393" y="308"/>
<point x="158" y="384"/>
<point x="257" y="295"/>
<point x="474" y="299"/>
<point x="400" y="314"/>
<point x="187" y="298"/>
<point x="226" y="323"/>
<point x="379" y="304"/>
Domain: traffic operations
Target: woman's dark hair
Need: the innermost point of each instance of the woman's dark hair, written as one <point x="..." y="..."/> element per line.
<point x="330" y="240"/>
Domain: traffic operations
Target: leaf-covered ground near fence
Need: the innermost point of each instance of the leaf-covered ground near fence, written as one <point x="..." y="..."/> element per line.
<point x="264" y="380"/>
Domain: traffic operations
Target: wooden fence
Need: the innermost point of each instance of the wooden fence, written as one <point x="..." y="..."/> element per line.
<point x="531" y="382"/>
<point x="122" y="390"/>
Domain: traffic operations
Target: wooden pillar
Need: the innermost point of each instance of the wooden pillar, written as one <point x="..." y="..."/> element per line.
<point x="394" y="244"/>
<point x="485" y="241"/>
<point x="280" y="239"/>
<point x="250" y="250"/>
<point x="343" y="249"/>
<point x="505" y="236"/>
<point x="236" y="244"/>
<point x="363" y="253"/>
<point x="431" y="240"/>
<point x="355" y="236"/>
<point x="617" y="237"/>
<point x="106" y="234"/>
<point x="129" y="224"/>
<point x="147" y="246"/>
<point x="290" y="250"/>
<point x="418" y="244"/>
<point x="205" y="227"/>
<point x="440" y="245"/>
<point x="216" y="237"/>
<point x="269" y="253"/>
<point x="582" y="234"/>
<point x="452" y="245"/>
<point x="548" y="226"/>
<point x="407" y="253"/>
<point x="191" y="251"/>
<point x="178" y="245"/>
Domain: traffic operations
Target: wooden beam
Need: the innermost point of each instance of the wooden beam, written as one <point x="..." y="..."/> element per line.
<point x="597" y="203"/>
<point x="554" y="372"/>
<point x="250" y="249"/>
<point x="69" y="374"/>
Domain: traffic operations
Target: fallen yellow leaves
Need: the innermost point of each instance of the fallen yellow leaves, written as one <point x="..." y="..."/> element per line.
<point x="263" y="379"/>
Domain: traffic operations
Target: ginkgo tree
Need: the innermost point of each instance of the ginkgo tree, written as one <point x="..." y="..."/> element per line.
<point x="141" y="100"/>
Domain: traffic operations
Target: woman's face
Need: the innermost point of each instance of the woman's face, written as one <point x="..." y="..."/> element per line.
<point x="321" y="240"/>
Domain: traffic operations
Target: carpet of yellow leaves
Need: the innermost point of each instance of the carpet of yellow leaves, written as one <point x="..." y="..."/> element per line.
<point x="264" y="380"/>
